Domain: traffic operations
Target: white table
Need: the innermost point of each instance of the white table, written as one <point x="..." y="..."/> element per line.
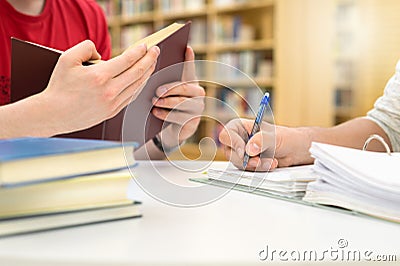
<point x="230" y="231"/>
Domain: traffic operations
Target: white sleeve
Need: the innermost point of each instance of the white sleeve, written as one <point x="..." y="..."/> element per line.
<point x="386" y="111"/>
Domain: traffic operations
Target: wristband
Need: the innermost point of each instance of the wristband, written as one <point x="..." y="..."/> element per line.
<point x="161" y="147"/>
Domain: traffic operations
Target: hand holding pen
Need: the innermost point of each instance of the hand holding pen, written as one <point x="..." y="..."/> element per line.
<point x="242" y="136"/>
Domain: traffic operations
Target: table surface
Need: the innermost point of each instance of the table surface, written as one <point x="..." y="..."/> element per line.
<point x="237" y="229"/>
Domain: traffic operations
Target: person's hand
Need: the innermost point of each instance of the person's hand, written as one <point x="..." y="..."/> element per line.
<point x="181" y="104"/>
<point x="82" y="96"/>
<point x="271" y="147"/>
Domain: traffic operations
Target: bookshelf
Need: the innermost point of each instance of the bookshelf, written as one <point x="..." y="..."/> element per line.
<point x="323" y="61"/>
<point x="229" y="31"/>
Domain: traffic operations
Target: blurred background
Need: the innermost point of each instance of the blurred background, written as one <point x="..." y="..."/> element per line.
<point x="323" y="61"/>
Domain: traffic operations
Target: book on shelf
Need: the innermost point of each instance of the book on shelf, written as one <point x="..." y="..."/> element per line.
<point x="135" y="7"/>
<point x="67" y="219"/>
<point x="30" y="160"/>
<point x="255" y="64"/>
<point x="223" y="3"/>
<point x="134" y="32"/>
<point x="108" y="8"/>
<point x="181" y="5"/>
<point x="361" y="181"/>
<point x="232" y="29"/>
<point x="238" y="102"/>
<point x="33" y="64"/>
<point x="343" y="98"/>
<point x="198" y="32"/>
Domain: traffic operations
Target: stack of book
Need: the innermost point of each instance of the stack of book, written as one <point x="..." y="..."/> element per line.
<point x="48" y="183"/>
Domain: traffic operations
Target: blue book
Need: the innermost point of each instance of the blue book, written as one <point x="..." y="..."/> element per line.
<point x="30" y="160"/>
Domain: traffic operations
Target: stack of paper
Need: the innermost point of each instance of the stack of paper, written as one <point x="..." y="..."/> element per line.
<point x="287" y="182"/>
<point x="362" y="181"/>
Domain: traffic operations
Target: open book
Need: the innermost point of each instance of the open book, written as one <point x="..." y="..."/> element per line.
<point x="362" y="181"/>
<point x="33" y="64"/>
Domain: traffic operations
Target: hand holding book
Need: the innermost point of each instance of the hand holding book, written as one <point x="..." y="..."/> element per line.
<point x="83" y="96"/>
<point x="109" y="87"/>
<point x="76" y="96"/>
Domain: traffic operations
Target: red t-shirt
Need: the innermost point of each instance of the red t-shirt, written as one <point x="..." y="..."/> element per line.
<point x="61" y="25"/>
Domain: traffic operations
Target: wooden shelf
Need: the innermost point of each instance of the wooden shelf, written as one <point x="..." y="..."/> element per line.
<point x="240" y="46"/>
<point x="261" y="82"/>
<point x="200" y="48"/>
<point x="181" y="14"/>
<point x="264" y="82"/>
<point x="147" y="17"/>
<point x="240" y="7"/>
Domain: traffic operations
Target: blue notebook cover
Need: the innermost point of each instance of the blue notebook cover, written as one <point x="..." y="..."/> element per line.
<point x="22" y="148"/>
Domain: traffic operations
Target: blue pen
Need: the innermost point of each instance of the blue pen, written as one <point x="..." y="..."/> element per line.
<point x="257" y="124"/>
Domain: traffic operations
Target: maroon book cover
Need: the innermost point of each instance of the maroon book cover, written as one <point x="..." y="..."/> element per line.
<point x="32" y="66"/>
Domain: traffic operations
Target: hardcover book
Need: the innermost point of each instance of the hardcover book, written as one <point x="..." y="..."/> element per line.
<point x="33" y="64"/>
<point x="83" y="192"/>
<point x="67" y="219"/>
<point x="29" y="160"/>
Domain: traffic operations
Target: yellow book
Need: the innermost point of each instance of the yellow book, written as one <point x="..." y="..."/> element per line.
<point x="89" y="191"/>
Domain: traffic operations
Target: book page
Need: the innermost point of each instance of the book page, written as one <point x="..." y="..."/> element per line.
<point x="158" y="36"/>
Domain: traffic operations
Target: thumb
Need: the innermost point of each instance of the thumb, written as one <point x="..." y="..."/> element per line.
<point x="261" y="142"/>
<point x="80" y="53"/>
<point x="189" y="69"/>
